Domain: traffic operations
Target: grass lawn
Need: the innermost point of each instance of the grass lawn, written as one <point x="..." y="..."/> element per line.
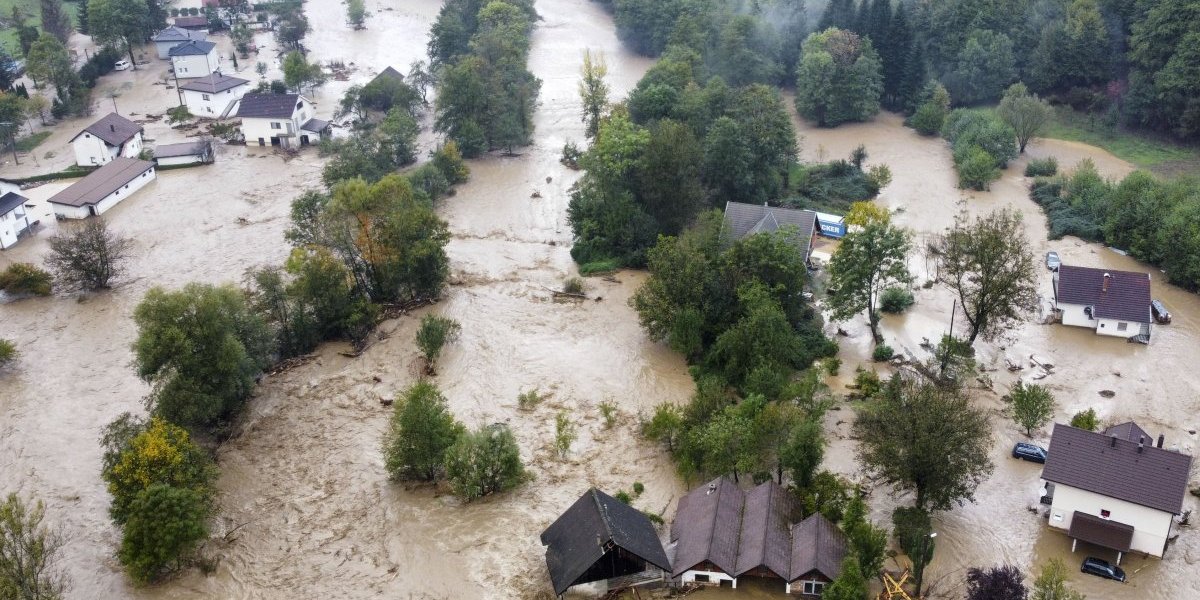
<point x="1144" y="150"/>
<point x="27" y="144"/>
<point x="33" y="15"/>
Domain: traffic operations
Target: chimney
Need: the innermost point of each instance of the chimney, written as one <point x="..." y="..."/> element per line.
<point x="1161" y="439"/>
<point x="1112" y="441"/>
<point x="112" y="127"/>
<point x="1141" y="443"/>
<point x="1107" y="278"/>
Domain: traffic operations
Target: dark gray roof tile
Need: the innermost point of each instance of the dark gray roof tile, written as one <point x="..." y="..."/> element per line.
<point x="742" y="220"/>
<point x="268" y="106"/>
<point x="1126" y="299"/>
<point x="102" y="182"/>
<point x="113" y="129"/>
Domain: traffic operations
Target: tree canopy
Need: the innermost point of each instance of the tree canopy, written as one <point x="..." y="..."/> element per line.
<point x="838" y="79"/>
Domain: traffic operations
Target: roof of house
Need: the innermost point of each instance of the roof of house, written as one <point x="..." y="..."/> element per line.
<point x="268" y="106"/>
<point x="707" y="526"/>
<point x="387" y="73"/>
<point x="1126" y="299"/>
<point x="742" y="220"/>
<point x="1102" y="532"/>
<point x="213" y="83"/>
<point x="817" y="545"/>
<point x="577" y="539"/>
<point x="1128" y="431"/>
<point x="113" y="129"/>
<point x="765" y="539"/>
<point x="192" y="48"/>
<point x="183" y="149"/>
<point x="172" y="34"/>
<point x="102" y="182"/>
<point x="191" y="22"/>
<point x="1118" y="468"/>
<point x="316" y="125"/>
<point x="10" y="201"/>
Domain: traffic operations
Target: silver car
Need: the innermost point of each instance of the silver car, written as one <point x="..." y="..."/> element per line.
<point x="1053" y="261"/>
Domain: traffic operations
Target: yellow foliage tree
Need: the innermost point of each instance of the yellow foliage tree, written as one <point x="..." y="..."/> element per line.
<point x="863" y="213"/>
<point x="160" y="453"/>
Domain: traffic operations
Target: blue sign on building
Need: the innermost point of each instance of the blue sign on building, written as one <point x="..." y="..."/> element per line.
<point x="831" y="225"/>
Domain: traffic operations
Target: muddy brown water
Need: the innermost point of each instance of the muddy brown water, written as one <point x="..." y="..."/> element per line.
<point x="306" y="509"/>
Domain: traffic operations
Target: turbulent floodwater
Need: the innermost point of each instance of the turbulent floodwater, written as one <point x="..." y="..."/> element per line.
<point x="306" y="509"/>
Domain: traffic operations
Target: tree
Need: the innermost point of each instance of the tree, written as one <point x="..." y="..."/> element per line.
<point x="984" y="67"/>
<point x="1032" y="406"/>
<point x="1005" y="582"/>
<point x="56" y="21"/>
<point x="484" y="461"/>
<point x="35" y="106"/>
<point x="668" y="176"/>
<point x="126" y="21"/>
<point x="1073" y="52"/>
<point x="139" y="454"/>
<point x="200" y="348"/>
<point x="165" y="524"/>
<point x="804" y="451"/>
<point x="850" y="583"/>
<point x="932" y="112"/>
<point x="292" y="28"/>
<point x="1051" y="583"/>
<point x="298" y="73"/>
<point x="398" y="136"/>
<point x="868" y="543"/>
<point x="322" y="285"/>
<point x="564" y="433"/>
<point x="420" y="432"/>
<point x="1026" y="114"/>
<point x="914" y="531"/>
<point x="593" y="91"/>
<point x="925" y="438"/>
<point x="838" y="78"/>
<point x="867" y="262"/>
<point x="356" y="13"/>
<point x="29" y="552"/>
<point x="88" y="255"/>
<point x="434" y="332"/>
<point x="24" y="278"/>
<point x="8" y="352"/>
<point x="989" y="266"/>
<point x="48" y="62"/>
<point x="1086" y="419"/>
<point x="665" y="425"/>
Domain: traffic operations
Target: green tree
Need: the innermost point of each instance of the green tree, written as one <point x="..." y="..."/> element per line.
<point x="484" y="461"/>
<point x="668" y="176"/>
<point x="323" y="287"/>
<point x="29" y="553"/>
<point x="356" y="13"/>
<point x="867" y="262"/>
<point x="298" y="73"/>
<point x="165" y="524"/>
<point x="295" y="328"/>
<point x="56" y="21"/>
<point x="200" y="348"/>
<point x="984" y="67"/>
<point x="989" y="267"/>
<point x="1086" y="419"/>
<point x="804" y="452"/>
<point x="747" y="52"/>
<point x="48" y="62"/>
<point x="850" y="583"/>
<point x="1051" y="583"/>
<point x="421" y="430"/>
<point x="914" y="531"/>
<point x="932" y="112"/>
<point x="8" y="352"/>
<point x="1026" y="114"/>
<point x="120" y="21"/>
<point x="140" y="454"/>
<point x="665" y="425"/>
<point x="593" y="91"/>
<point x="761" y="338"/>
<point x="433" y="334"/>
<point x="1073" y="52"/>
<point x="1004" y="582"/>
<point x="868" y="543"/>
<point x="1032" y="406"/>
<point x="24" y="278"/>
<point x="564" y="433"/>
<point x="398" y="136"/>
<point x="88" y="255"/>
<point x="925" y="438"/>
<point x="838" y="78"/>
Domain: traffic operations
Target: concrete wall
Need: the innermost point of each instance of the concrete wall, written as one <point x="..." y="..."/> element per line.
<point x="177" y="160"/>
<point x="192" y="66"/>
<point x="215" y="104"/>
<point x="1150" y="527"/>
<point x="714" y="577"/>
<point x="127" y="190"/>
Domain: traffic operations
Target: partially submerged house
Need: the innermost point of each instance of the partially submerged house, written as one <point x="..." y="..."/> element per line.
<point x="285" y="120"/>
<point x="186" y="153"/>
<point x="1116" y="489"/>
<point x="198" y="23"/>
<point x="742" y="220"/>
<point x="106" y="139"/>
<point x="173" y="36"/>
<point x="601" y="539"/>
<point x="1109" y="302"/>
<point x="722" y="533"/>
<point x="194" y="58"/>
<point x="213" y="95"/>
<point x="14" y="221"/>
<point x="103" y="188"/>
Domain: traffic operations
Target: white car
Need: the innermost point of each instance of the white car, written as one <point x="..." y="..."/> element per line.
<point x="121" y="65"/>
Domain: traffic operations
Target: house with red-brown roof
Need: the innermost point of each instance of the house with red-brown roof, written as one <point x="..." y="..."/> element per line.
<point x="1109" y="302"/>
<point x="1118" y="490"/>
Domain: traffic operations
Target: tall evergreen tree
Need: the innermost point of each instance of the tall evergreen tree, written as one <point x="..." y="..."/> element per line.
<point x="839" y="13"/>
<point x="55" y="20"/>
<point x="896" y="50"/>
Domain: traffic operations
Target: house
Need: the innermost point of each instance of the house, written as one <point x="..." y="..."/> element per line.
<point x="722" y="533"/>
<point x="192" y="23"/>
<point x="194" y="58"/>
<point x="173" y="36"/>
<point x="213" y="95"/>
<point x="742" y="220"/>
<point x="183" y="154"/>
<point x="601" y="539"/>
<point x="279" y="119"/>
<point x="106" y="139"/>
<point x="1116" y="489"/>
<point x="14" y="222"/>
<point x="386" y="74"/>
<point x="103" y="188"/>
<point x="1110" y="302"/>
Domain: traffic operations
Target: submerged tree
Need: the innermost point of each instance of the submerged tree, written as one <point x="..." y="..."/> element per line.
<point x="419" y="434"/>
<point x="434" y="332"/>
<point x="29" y="552"/>
<point x="484" y="461"/>
<point x="1005" y="582"/>
<point x="1032" y="406"/>
<point x="593" y="91"/>
<point x="88" y="255"/>
<point x="1051" y="583"/>
<point x="867" y="262"/>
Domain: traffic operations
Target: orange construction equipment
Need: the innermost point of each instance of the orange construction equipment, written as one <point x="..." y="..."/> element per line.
<point x="893" y="588"/>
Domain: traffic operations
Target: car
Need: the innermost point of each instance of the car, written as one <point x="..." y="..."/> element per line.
<point x="15" y="68"/>
<point x="1100" y="568"/>
<point x="1053" y="261"/>
<point x="121" y="65"/>
<point x="1029" y="452"/>
<point x="1161" y="314"/>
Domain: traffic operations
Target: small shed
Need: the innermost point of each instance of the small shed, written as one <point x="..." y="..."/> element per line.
<point x="183" y="154"/>
<point x="192" y="23"/>
<point x="601" y="539"/>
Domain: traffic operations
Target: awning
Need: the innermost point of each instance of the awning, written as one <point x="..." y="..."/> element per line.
<point x="1102" y="532"/>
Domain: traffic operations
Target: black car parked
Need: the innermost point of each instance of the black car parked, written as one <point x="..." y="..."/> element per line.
<point x="1029" y="452"/>
<point x="1101" y="568"/>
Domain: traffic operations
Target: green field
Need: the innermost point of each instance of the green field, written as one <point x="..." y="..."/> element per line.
<point x="33" y="15"/>
<point x="1144" y="150"/>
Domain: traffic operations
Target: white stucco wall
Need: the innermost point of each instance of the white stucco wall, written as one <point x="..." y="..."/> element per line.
<point x="1150" y="527"/>
<point x="714" y="577"/>
<point x="255" y="128"/>
<point x="192" y="66"/>
<point x="1113" y="327"/>
<point x="215" y="104"/>
<point x="133" y="147"/>
<point x="127" y="190"/>
<point x="11" y="223"/>
<point x="1072" y="314"/>
<point x="177" y="160"/>
<point x="91" y="150"/>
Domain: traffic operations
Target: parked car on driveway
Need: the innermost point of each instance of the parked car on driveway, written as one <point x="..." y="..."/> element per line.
<point x="1053" y="261"/>
<point x="1101" y="568"/>
<point x="121" y="65"/>
<point x="1029" y="452"/>
<point x="1160" y="312"/>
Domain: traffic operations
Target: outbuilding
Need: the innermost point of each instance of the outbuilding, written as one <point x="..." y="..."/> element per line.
<point x="197" y="23"/>
<point x="173" y="36"/>
<point x="743" y="220"/>
<point x="103" y="188"/>
<point x="194" y="58"/>
<point x="14" y="221"/>
<point x="106" y="139"/>
<point x="1109" y="302"/>
<point x="187" y="153"/>
<point x="213" y="95"/>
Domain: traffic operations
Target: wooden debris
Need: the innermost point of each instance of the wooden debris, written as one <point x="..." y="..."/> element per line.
<point x="290" y="363"/>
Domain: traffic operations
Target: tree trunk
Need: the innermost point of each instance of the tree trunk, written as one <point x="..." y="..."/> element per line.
<point x="129" y="49"/>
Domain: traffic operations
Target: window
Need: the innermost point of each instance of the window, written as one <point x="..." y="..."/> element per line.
<point x="1122" y="326"/>
<point x="1104" y="514"/>
<point x="814" y="588"/>
<point x="204" y="96"/>
<point x="275" y="125"/>
<point x="702" y="579"/>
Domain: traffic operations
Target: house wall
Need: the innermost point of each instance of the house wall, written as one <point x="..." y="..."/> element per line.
<point x="164" y="48"/>
<point x="1150" y="527"/>
<point x="127" y="190"/>
<point x="177" y="160"/>
<point x="714" y="577"/>
<point x="1113" y="327"/>
<point x="12" y="224"/>
<point x="192" y="66"/>
<point x="133" y="147"/>
<point x="91" y="150"/>
<point x="215" y="104"/>
<point x="796" y="587"/>
<point x="1072" y="314"/>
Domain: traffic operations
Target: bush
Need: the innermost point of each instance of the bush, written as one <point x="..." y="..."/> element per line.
<point x="1032" y="406"/>
<point x="165" y="524"/>
<point x="434" y="333"/>
<point x="8" y="352"/>
<point x="638" y="488"/>
<point x="867" y="382"/>
<point x="528" y="400"/>
<point x="420" y="432"/>
<point x="608" y="411"/>
<point x="573" y="285"/>
<point x="1086" y="420"/>
<point x="564" y="433"/>
<point x="178" y="114"/>
<point x="976" y="168"/>
<point x="882" y="352"/>
<point x="599" y="267"/>
<point x="24" y="278"/>
<point x="895" y="300"/>
<point x="833" y="364"/>
<point x="1041" y="167"/>
<point x="484" y="461"/>
<point x="139" y="454"/>
<point x="571" y="153"/>
<point x="928" y="119"/>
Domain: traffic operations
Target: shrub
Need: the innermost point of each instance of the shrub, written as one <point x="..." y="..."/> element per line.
<point x="882" y="352"/>
<point x="1086" y="420"/>
<point x="895" y="300"/>
<point x="8" y="352"/>
<point x="528" y="400"/>
<point x="484" y="461"/>
<point x="571" y="153"/>
<point x="928" y="119"/>
<point x="165" y="524"/>
<point x="1041" y="167"/>
<point x="573" y="285"/>
<point x="433" y="334"/>
<point x="178" y="114"/>
<point x="599" y="267"/>
<point x="638" y="488"/>
<point x="867" y="382"/>
<point x="564" y="433"/>
<point x="24" y="278"/>
<point x="833" y="364"/>
<point x="140" y="454"/>
<point x="976" y="168"/>
<point x="623" y="497"/>
<point x="29" y="553"/>
<point x="420" y="432"/>
<point x="608" y="411"/>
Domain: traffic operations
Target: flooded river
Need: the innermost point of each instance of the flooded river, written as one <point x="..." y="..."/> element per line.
<point x="306" y="509"/>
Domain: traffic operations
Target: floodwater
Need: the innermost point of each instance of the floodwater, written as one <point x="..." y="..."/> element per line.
<point x="306" y="509"/>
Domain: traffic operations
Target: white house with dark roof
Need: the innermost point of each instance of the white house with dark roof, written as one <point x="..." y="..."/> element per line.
<point x="213" y="95"/>
<point x="173" y="36"/>
<point x="1117" y="489"/>
<point x="1109" y="302"/>
<point x="194" y="58"/>
<point x="106" y="139"/>
<point x="742" y="220"/>
<point x="14" y="221"/>
<point x="103" y="188"/>
<point x="286" y="120"/>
